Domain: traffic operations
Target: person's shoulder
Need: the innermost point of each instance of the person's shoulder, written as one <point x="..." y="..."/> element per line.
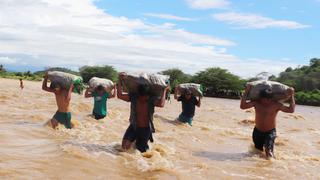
<point x="278" y="105"/>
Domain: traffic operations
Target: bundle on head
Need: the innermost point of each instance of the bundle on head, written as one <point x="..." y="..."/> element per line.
<point x="153" y="83"/>
<point x="268" y="89"/>
<point x="64" y="80"/>
<point x="95" y="82"/>
<point x="195" y="89"/>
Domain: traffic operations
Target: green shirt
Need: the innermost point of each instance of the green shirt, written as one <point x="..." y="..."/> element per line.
<point x="100" y="103"/>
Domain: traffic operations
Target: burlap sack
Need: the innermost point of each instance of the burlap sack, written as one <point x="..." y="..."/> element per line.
<point x="106" y="83"/>
<point x="194" y="88"/>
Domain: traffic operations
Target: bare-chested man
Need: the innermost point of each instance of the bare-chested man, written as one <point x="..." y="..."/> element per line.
<point x="63" y="97"/>
<point x="266" y="110"/>
<point x="141" y="116"/>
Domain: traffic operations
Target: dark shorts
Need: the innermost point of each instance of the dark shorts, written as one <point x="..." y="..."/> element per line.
<point x="184" y="119"/>
<point x="63" y="118"/>
<point x="140" y="135"/>
<point x="98" y="116"/>
<point x="264" y="139"/>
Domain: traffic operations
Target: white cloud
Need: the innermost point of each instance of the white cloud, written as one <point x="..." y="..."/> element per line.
<point x="7" y="60"/>
<point x="208" y="4"/>
<point x="254" y="21"/>
<point x="74" y="33"/>
<point x="168" y="16"/>
<point x="253" y="66"/>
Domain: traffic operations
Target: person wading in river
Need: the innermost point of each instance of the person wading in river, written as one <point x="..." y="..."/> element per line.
<point x="63" y="97"/>
<point x="189" y="103"/>
<point x="264" y="133"/>
<point x="141" y="116"/>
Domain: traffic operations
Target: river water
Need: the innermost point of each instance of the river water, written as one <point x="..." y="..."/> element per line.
<point x="218" y="146"/>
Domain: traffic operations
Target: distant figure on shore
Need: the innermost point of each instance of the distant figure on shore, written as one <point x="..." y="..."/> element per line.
<point x="141" y="115"/>
<point x="63" y="97"/>
<point x="189" y="103"/>
<point x="21" y="84"/>
<point x="100" y="96"/>
<point x="264" y="133"/>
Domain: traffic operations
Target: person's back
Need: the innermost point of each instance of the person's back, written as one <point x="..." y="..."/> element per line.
<point x="264" y="133"/>
<point x="265" y="118"/>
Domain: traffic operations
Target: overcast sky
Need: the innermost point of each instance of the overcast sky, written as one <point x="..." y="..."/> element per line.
<point x="246" y="37"/>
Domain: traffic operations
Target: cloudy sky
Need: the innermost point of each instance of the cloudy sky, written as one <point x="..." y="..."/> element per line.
<point x="246" y="37"/>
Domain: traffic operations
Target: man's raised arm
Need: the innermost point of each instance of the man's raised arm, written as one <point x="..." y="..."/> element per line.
<point x="244" y="104"/>
<point x="45" y="83"/>
<point x="120" y="94"/>
<point x="161" y="102"/>
<point x="292" y="106"/>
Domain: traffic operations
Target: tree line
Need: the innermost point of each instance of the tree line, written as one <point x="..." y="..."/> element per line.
<point x="216" y="82"/>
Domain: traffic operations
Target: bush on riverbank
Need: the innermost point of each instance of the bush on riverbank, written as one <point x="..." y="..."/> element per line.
<point x="21" y="75"/>
<point x="311" y="98"/>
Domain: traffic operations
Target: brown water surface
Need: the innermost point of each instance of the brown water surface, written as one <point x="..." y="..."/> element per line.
<point x="218" y="146"/>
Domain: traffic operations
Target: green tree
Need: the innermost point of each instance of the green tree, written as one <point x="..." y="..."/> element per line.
<point x="315" y="62"/>
<point x="20" y="74"/>
<point x="28" y="73"/>
<point x="305" y="78"/>
<point x="176" y="77"/>
<point x="272" y="78"/>
<point x="61" y="69"/>
<point x="289" y="69"/>
<point x="219" y="79"/>
<point x="108" y="72"/>
<point x="2" y="69"/>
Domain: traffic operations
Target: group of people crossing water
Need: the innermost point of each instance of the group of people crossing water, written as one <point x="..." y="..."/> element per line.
<point x="143" y="105"/>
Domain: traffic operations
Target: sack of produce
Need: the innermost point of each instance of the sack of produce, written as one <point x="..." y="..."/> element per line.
<point x="106" y="83"/>
<point x="156" y="82"/>
<point x="279" y="91"/>
<point x="65" y="80"/>
<point x="196" y="89"/>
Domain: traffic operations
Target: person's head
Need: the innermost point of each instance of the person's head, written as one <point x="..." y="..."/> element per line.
<point x="100" y="90"/>
<point x="55" y="86"/>
<point x="266" y="96"/>
<point x="143" y="90"/>
<point x="188" y="94"/>
<point x="20" y="79"/>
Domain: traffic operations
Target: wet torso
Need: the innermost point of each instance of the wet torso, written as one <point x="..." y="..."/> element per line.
<point x="62" y="101"/>
<point x="142" y="112"/>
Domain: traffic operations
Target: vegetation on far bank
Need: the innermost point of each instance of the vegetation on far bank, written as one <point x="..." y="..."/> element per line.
<point x="217" y="82"/>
